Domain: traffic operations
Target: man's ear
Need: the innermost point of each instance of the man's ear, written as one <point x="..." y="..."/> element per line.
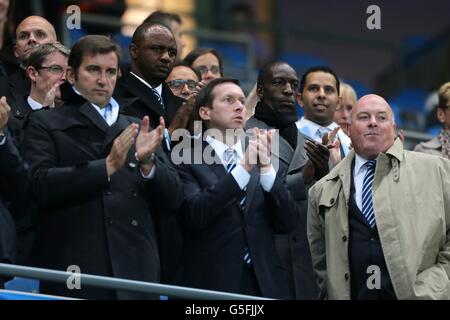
<point x="70" y="75"/>
<point x="31" y="73"/>
<point x="133" y="51"/>
<point x="260" y="92"/>
<point x="440" y="114"/>
<point x="299" y="98"/>
<point x="15" y="51"/>
<point x="204" y="113"/>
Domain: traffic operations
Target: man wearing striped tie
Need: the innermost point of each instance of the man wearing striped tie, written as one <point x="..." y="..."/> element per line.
<point x="234" y="201"/>
<point x="378" y="223"/>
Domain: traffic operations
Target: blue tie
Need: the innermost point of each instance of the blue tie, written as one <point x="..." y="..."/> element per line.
<point x="158" y="97"/>
<point x="230" y="158"/>
<point x="107" y="113"/>
<point x="367" y="204"/>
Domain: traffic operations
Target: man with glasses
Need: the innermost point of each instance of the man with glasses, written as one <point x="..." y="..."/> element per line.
<point x="46" y="68"/>
<point x="183" y="81"/>
<point x="153" y="51"/>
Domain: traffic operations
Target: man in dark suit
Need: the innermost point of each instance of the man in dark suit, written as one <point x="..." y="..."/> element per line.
<point x="153" y="51"/>
<point x="234" y="205"/>
<point x="31" y="32"/>
<point x="98" y="182"/>
<point x="277" y="86"/>
<point x="13" y="185"/>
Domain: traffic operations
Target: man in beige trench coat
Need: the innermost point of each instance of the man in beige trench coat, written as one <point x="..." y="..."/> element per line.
<point x="378" y="223"/>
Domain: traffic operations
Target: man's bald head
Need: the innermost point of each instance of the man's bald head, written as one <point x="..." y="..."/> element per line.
<point x="31" y="32"/>
<point x="372" y="127"/>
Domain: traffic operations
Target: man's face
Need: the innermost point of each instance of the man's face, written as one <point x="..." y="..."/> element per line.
<point x="52" y="71"/>
<point x="182" y="81"/>
<point x="96" y="77"/>
<point x="31" y="32"/>
<point x="344" y="110"/>
<point x="372" y="128"/>
<point x="154" y="55"/>
<point x="280" y="88"/>
<point x="208" y="66"/>
<point x="319" y="98"/>
<point x="227" y="111"/>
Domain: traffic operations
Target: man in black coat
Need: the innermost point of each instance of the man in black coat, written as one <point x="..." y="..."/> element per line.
<point x="234" y="202"/>
<point x="153" y="51"/>
<point x="276" y="89"/>
<point x="98" y="180"/>
<point x="14" y="185"/>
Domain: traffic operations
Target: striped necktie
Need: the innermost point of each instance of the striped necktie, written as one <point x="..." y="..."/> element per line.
<point x="158" y="97"/>
<point x="230" y="158"/>
<point x="367" y="204"/>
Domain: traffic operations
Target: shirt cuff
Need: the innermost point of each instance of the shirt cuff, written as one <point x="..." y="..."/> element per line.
<point x="241" y="176"/>
<point x="268" y="179"/>
<point x="151" y="174"/>
<point x="2" y="140"/>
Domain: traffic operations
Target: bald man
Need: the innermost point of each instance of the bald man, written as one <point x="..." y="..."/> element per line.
<point x="378" y="222"/>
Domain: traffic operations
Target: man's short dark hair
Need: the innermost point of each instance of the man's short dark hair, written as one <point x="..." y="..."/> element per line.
<point x="92" y="44"/>
<point x="162" y="17"/>
<point x="194" y="54"/>
<point x="319" y="69"/>
<point x="140" y="31"/>
<point x="184" y="64"/>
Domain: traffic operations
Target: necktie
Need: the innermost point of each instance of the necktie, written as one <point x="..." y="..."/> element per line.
<point x="107" y="113"/>
<point x="230" y="158"/>
<point x="158" y="97"/>
<point x="367" y="204"/>
<point x="321" y="131"/>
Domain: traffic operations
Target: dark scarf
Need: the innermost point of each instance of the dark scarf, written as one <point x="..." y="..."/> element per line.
<point x="284" y="121"/>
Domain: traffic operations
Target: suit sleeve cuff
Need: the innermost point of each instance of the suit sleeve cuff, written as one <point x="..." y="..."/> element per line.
<point x="267" y="179"/>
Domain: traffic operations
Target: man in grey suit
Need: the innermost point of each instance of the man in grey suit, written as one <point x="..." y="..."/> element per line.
<point x="304" y="161"/>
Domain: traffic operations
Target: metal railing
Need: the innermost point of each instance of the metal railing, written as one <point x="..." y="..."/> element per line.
<point x="121" y="284"/>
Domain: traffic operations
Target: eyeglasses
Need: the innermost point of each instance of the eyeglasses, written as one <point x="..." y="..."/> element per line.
<point x="180" y="83"/>
<point x="55" y="69"/>
<point x="204" y="69"/>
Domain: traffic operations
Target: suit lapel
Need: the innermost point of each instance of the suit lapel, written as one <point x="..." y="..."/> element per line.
<point x="300" y="158"/>
<point x="140" y="90"/>
<point x="89" y="112"/>
<point x="121" y="124"/>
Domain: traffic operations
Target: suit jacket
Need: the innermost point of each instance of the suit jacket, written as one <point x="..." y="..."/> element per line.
<point x="294" y="248"/>
<point x="105" y="226"/>
<point x="14" y="185"/>
<point x="128" y="86"/>
<point x="13" y="86"/>
<point x="217" y="229"/>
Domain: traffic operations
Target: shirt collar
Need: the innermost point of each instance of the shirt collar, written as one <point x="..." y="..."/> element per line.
<point x="34" y="104"/>
<point x="158" y="88"/>
<point x="359" y="162"/>
<point x="312" y="127"/>
<point x="220" y="147"/>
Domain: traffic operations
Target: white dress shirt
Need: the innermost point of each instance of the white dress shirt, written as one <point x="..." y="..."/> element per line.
<point x="239" y="174"/>
<point x="359" y="172"/>
<point x="34" y="104"/>
<point x="312" y="130"/>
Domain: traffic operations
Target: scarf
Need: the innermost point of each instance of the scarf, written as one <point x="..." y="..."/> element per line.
<point x="283" y="121"/>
